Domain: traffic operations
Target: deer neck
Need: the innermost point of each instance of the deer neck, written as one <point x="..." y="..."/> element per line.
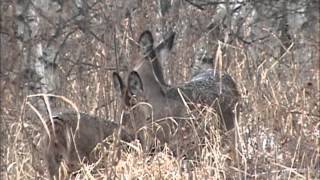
<point x="152" y="87"/>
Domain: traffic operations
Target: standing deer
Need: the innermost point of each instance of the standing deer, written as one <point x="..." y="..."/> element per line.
<point x="66" y="143"/>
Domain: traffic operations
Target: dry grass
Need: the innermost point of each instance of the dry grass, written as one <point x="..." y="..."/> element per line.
<point x="277" y="135"/>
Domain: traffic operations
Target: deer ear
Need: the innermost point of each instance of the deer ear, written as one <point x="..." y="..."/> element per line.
<point x="167" y="43"/>
<point x="118" y="83"/>
<point x="135" y="85"/>
<point x="146" y="42"/>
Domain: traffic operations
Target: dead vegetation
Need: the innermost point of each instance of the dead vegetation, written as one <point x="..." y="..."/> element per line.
<point x="276" y="135"/>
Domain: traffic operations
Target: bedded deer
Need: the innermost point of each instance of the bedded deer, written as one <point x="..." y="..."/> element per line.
<point x="149" y="68"/>
<point x="60" y="144"/>
<point x="165" y="120"/>
<point x="165" y="103"/>
<point x="207" y="87"/>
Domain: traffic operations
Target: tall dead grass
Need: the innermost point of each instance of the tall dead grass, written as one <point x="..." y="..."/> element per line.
<point x="276" y="134"/>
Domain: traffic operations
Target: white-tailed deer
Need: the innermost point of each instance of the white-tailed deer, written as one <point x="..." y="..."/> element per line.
<point x="149" y="68"/>
<point x="164" y="119"/>
<point x="166" y="112"/>
<point x="65" y="143"/>
<point x="207" y="87"/>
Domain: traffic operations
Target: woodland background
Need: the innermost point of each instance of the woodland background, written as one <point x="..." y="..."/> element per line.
<point x="71" y="47"/>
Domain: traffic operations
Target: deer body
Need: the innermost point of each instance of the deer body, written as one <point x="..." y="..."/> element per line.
<point x="162" y="108"/>
<point x="166" y="113"/>
<point x="207" y="87"/>
<point x="213" y="89"/>
<point x="65" y="143"/>
<point x="162" y="120"/>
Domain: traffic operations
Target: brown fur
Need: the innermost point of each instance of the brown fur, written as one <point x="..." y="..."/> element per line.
<point x="167" y="113"/>
<point x="207" y="87"/>
<point x="162" y="120"/>
<point x="60" y="145"/>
